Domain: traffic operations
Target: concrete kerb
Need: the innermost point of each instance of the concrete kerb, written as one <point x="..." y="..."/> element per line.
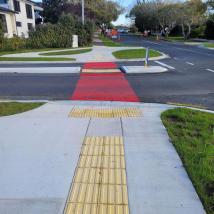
<point x="42" y="70"/>
<point x="109" y="103"/>
<point x="143" y="69"/>
<point x="37" y="62"/>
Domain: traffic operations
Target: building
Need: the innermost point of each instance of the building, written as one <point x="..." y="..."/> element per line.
<point x="19" y="16"/>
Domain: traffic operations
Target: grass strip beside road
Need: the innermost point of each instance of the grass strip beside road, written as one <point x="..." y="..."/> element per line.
<point x="135" y="54"/>
<point x="192" y="133"/>
<point x="175" y="39"/>
<point x="10" y="108"/>
<point x="109" y="43"/>
<point x="36" y="59"/>
<point x="68" y="52"/>
<point x="208" y="45"/>
<point x="28" y="50"/>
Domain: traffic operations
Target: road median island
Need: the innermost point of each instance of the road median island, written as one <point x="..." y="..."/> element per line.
<point x="192" y="134"/>
<point x="135" y="54"/>
<point x="11" y="108"/>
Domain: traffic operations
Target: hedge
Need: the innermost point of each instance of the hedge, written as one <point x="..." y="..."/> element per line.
<point x="52" y="35"/>
<point x="60" y="35"/>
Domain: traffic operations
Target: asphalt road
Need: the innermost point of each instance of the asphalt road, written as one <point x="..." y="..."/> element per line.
<point x="190" y="79"/>
<point x="190" y="82"/>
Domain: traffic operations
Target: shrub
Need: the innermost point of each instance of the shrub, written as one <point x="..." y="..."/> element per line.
<point x="209" y="30"/>
<point x="11" y="44"/>
<point x="85" y="33"/>
<point x="198" y="32"/>
<point x="60" y="35"/>
<point x="50" y="36"/>
<point x="14" y="43"/>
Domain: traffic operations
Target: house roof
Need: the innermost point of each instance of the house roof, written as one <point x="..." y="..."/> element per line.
<point x="3" y="9"/>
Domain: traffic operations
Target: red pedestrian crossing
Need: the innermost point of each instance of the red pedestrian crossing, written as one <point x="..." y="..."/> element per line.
<point x="103" y="86"/>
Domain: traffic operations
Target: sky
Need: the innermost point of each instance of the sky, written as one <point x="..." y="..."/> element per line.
<point x="127" y="4"/>
<point x="122" y="20"/>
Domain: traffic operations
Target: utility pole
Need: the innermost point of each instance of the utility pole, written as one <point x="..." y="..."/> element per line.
<point x="83" y="12"/>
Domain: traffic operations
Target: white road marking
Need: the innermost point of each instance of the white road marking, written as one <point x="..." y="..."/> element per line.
<point x="183" y="49"/>
<point x="210" y="70"/>
<point x="165" y="65"/>
<point x="190" y="63"/>
<point x="197" y="52"/>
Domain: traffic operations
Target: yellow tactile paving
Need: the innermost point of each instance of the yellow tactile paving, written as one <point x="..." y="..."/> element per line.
<point x="101" y="71"/>
<point x="105" y="112"/>
<point x="99" y="184"/>
<point x="104" y="162"/>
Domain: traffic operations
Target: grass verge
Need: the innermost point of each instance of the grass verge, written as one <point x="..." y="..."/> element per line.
<point x="69" y="52"/>
<point x="109" y="43"/>
<point x="208" y="45"/>
<point x="28" y="50"/>
<point x="192" y="133"/>
<point x="25" y="59"/>
<point x="176" y="39"/>
<point x="135" y="53"/>
<point x="11" y="108"/>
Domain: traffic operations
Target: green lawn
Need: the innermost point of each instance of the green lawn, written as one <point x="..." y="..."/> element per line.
<point x="192" y="133"/>
<point x="30" y="50"/>
<point x="208" y="45"/>
<point x="135" y="54"/>
<point x="110" y="43"/>
<point x="15" y="107"/>
<point x="69" y="52"/>
<point x="176" y="39"/>
<point x="49" y="59"/>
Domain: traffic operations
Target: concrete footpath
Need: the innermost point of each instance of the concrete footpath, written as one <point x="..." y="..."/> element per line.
<point x="41" y="153"/>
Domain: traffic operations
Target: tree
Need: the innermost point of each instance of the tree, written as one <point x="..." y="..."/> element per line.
<point x="157" y="14"/>
<point x="52" y="10"/>
<point x="209" y="31"/>
<point x="102" y="12"/>
<point x="167" y="16"/>
<point x="210" y="4"/>
<point x="145" y="16"/>
<point x="191" y="13"/>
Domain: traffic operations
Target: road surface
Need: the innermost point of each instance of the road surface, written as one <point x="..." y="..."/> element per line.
<point x="190" y="78"/>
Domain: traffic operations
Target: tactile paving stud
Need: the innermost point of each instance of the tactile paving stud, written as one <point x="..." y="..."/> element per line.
<point x="105" y="112"/>
<point x="99" y="184"/>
